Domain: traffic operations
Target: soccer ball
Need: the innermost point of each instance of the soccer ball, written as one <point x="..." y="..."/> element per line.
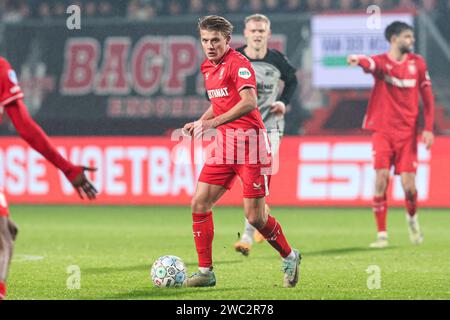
<point x="168" y="271"/>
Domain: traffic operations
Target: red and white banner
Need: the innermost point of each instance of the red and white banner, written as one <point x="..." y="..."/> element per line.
<point x="318" y="171"/>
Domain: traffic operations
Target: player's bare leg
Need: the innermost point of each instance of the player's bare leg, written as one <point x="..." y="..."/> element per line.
<point x="206" y="195"/>
<point x="269" y="227"/>
<point x="8" y="233"/>
<point x="250" y="234"/>
<point x="409" y="186"/>
<point x="380" y="207"/>
<point x="257" y="236"/>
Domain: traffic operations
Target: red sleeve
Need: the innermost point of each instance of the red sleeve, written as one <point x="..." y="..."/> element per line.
<point x="426" y="91"/>
<point x="371" y="65"/>
<point x="428" y="106"/>
<point x="243" y="75"/>
<point x="9" y="85"/>
<point x="424" y="75"/>
<point x="37" y="139"/>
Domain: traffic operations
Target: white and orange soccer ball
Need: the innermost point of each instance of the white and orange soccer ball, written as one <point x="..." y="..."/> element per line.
<point x="168" y="271"/>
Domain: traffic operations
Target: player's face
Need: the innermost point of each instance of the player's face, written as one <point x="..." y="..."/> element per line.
<point x="405" y="41"/>
<point x="257" y="34"/>
<point x="214" y="44"/>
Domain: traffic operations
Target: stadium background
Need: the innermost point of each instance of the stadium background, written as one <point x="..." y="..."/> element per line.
<point x="112" y="93"/>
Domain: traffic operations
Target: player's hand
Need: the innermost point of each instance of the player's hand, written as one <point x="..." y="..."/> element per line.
<point x="188" y="129"/>
<point x="201" y="126"/>
<point x="82" y="184"/>
<point x="278" y="107"/>
<point x="428" y="139"/>
<point x="353" y="60"/>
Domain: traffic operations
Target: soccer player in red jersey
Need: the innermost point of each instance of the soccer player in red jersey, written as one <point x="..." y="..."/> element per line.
<point x="231" y="87"/>
<point x="392" y="115"/>
<point x="11" y="102"/>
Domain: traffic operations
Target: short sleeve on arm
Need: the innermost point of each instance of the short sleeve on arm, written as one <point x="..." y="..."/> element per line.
<point x="243" y="76"/>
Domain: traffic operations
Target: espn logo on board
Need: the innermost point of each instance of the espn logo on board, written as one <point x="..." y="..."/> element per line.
<point x="343" y="171"/>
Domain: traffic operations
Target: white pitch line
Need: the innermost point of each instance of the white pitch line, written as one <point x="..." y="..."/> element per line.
<point x="26" y="257"/>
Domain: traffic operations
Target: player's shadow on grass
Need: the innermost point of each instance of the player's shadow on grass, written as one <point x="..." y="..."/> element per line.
<point x="157" y="293"/>
<point x="216" y="263"/>
<point x="145" y="267"/>
<point x="100" y="270"/>
<point x="349" y="250"/>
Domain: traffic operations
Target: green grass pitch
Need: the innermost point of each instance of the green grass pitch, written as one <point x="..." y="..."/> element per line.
<point x="114" y="248"/>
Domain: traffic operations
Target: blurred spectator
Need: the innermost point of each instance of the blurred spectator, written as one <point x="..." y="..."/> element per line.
<point x="59" y="9"/>
<point x="24" y="9"/>
<point x="105" y="9"/>
<point x="312" y="6"/>
<point x="293" y="6"/>
<point x="256" y="6"/>
<point x="12" y="11"/>
<point x="272" y="6"/>
<point x="326" y="5"/>
<point x="16" y="10"/>
<point x="406" y="4"/>
<point x="44" y="11"/>
<point x="140" y="10"/>
<point x="196" y="7"/>
<point x="175" y="8"/>
<point x="233" y="6"/>
<point x="213" y="7"/>
<point x="90" y="9"/>
<point x="347" y="5"/>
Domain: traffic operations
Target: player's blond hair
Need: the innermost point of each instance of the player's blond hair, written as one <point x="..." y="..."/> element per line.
<point x="257" y="17"/>
<point x="215" y="23"/>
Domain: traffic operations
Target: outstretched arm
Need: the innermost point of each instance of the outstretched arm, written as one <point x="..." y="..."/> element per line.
<point x="368" y="64"/>
<point x="38" y="140"/>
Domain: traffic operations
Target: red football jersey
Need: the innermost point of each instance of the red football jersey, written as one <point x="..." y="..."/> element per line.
<point x="224" y="81"/>
<point x="9" y="85"/>
<point x="394" y="101"/>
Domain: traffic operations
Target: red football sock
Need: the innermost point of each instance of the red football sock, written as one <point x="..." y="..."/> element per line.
<point x="411" y="203"/>
<point x="380" y="210"/>
<point x="2" y="290"/>
<point x="274" y="235"/>
<point x="203" y="228"/>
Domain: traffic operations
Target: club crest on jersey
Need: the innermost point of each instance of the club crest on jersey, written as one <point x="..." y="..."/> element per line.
<point x="244" y="73"/>
<point x="207" y="75"/>
<point x="221" y="73"/>
<point x="218" y="93"/>
<point x="12" y="76"/>
<point x="412" y="68"/>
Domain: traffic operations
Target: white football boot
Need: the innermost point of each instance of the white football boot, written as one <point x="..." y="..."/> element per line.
<point x="381" y="242"/>
<point x="415" y="235"/>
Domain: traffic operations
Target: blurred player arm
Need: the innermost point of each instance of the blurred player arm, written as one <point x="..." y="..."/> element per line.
<point x="39" y="141"/>
<point x="426" y="91"/>
<point x="289" y="78"/>
<point x="368" y="64"/>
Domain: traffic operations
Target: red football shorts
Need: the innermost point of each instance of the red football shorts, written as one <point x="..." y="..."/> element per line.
<point x="4" y="211"/>
<point x="400" y="152"/>
<point x="255" y="183"/>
